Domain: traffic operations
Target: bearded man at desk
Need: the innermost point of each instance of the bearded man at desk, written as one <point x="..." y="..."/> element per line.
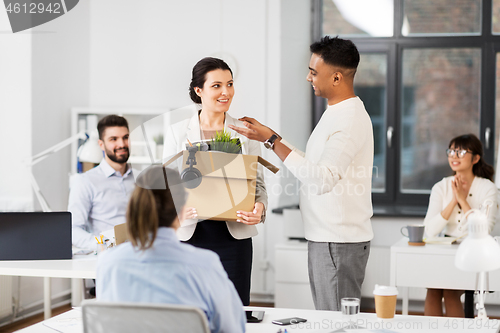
<point x="98" y="198"/>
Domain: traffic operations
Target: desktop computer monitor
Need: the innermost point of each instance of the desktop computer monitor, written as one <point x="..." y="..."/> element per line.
<point x="35" y="236"/>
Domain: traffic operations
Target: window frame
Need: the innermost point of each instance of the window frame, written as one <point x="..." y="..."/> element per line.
<point x="486" y="41"/>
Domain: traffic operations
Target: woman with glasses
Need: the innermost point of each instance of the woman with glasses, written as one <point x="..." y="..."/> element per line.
<point x="469" y="187"/>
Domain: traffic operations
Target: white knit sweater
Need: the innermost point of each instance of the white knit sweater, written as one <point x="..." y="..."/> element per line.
<point x="335" y="175"/>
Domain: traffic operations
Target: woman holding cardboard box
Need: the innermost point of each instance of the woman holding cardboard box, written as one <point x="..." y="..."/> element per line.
<point x="212" y="87"/>
<point x="470" y="187"/>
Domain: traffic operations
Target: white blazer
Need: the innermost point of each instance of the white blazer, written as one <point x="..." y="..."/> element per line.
<point x="176" y="140"/>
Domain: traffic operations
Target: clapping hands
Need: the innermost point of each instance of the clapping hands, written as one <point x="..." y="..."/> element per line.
<point x="460" y="190"/>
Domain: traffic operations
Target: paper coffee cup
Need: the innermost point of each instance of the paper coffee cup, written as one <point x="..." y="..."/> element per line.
<point x="385" y="301"/>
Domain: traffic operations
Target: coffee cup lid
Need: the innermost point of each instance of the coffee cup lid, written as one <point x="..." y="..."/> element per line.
<point x="385" y="290"/>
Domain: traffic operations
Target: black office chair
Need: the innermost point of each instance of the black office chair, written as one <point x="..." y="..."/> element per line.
<point x="469" y="304"/>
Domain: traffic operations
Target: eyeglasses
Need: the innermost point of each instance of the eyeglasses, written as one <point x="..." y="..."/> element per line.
<point x="460" y="153"/>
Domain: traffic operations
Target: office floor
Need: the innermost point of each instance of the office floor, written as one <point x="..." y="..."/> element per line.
<point x="32" y="320"/>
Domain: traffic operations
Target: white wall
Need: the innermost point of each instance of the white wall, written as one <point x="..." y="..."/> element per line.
<point x="60" y="80"/>
<point x="44" y="73"/>
<point x="296" y="92"/>
<point x="143" y="55"/>
<point x="288" y="40"/>
<point x="15" y="118"/>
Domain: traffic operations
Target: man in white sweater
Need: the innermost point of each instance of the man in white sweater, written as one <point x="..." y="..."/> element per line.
<point x="335" y="174"/>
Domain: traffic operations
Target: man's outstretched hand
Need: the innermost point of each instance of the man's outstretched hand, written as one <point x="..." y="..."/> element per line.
<point x="253" y="129"/>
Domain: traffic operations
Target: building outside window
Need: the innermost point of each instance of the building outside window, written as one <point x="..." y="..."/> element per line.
<point x="428" y="73"/>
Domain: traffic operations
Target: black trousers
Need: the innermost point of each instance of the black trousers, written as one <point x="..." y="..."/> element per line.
<point x="235" y="254"/>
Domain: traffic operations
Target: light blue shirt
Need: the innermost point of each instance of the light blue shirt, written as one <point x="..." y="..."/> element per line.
<point x="98" y="201"/>
<point x="174" y="273"/>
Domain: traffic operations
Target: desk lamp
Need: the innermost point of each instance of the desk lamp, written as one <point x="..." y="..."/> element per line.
<point x="479" y="253"/>
<point x="89" y="151"/>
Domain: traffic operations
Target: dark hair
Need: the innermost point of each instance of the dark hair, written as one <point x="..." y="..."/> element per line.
<point x="471" y="143"/>
<point x="200" y="71"/>
<point x="337" y="52"/>
<point x="110" y="121"/>
<point x="157" y="199"/>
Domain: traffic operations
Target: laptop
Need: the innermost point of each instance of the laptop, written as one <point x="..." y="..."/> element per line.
<point x="35" y="236"/>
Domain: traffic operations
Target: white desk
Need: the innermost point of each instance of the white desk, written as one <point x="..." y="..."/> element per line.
<point x="82" y="267"/>
<point x="431" y="266"/>
<point x="322" y="321"/>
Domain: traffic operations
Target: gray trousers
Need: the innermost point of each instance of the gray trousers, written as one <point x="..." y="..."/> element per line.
<point x="336" y="270"/>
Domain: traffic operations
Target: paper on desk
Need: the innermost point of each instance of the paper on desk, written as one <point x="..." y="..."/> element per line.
<point x="65" y="325"/>
<point x="443" y="240"/>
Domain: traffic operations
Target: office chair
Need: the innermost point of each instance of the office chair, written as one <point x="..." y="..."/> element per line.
<point x="469" y="304"/>
<point x="107" y="317"/>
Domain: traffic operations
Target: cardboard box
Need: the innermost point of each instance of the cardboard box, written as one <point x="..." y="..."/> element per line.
<point x="228" y="183"/>
<point x="121" y="233"/>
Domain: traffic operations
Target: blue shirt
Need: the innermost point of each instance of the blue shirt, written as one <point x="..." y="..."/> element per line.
<point x="98" y="201"/>
<point x="174" y="273"/>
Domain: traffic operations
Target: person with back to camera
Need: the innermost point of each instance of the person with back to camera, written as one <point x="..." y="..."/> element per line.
<point x="155" y="267"/>
<point x="451" y="198"/>
<point x="212" y="87"/>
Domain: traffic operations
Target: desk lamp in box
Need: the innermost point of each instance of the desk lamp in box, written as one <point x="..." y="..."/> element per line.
<point x="89" y="151"/>
<point x="479" y="253"/>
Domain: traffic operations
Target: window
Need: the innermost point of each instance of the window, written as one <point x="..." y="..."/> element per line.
<point x="495" y="13"/>
<point x="437" y="105"/>
<point x="428" y="73"/>
<point x="371" y="87"/>
<point x="441" y="17"/>
<point x="358" y="18"/>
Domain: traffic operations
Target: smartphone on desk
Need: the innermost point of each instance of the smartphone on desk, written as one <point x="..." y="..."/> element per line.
<point x="254" y="316"/>
<point x="289" y="321"/>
